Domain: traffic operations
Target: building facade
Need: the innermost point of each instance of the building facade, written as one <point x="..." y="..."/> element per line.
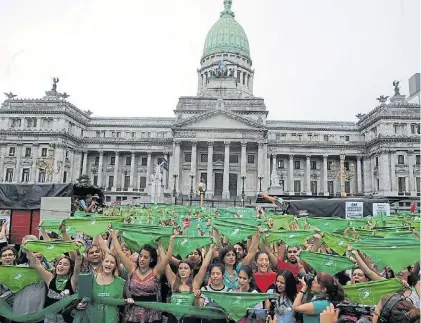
<point x="222" y="135"/>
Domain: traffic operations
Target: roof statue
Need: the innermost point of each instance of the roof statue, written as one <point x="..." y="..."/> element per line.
<point x="55" y="81"/>
<point x="64" y="95"/>
<point x="396" y="85"/>
<point x="10" y="95"/>
<point x="227" y="8"/>
<point x="382" y="98"/>
<point x="360" y="115"/>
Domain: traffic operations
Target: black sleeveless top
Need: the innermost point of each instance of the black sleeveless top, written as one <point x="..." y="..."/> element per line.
<point x="54" y="295"/>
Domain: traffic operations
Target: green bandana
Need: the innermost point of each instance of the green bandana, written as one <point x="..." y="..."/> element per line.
<point x="234" y="232"/>
<point x="282" y="221"/>
<point x="327" y="224"/>
<point x="290" y="237"/>
<point x="91" y="226"/>
<point x="61" y="281"/>
<point x="236" y="304"/>
<point x="51" y="225"/>
<point x="326" y="263"/>
<point x="371" y="293"/>
<point x="51" y="249"/>
<point x="16" y="278"/>
<point x="184" y="245"/>
<point x="337" y="242"/>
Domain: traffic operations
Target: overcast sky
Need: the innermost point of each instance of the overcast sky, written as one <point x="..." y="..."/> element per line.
<point x="313" y="59"/>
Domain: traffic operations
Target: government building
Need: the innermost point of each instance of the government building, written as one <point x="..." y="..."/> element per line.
<point x="222" y="136"/>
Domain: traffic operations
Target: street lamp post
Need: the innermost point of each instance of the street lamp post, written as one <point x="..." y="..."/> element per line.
<point x="202" y="189"/>
<point x="174" y="191"/>
<point x="191" y="188"/>
<point x="46" y="166"/>
<point x="243" y="194"/>
<point x="343" y="174"/>
<point x="260" y="183"/>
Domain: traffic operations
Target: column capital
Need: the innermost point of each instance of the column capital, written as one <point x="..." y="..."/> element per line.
<point x="325" y="156"/>
<point x="133" y="154"/>
<point x="210" y="143"/>
<point x="291" y="156"/>
<point x="410" y="152"/>
<point x="149" y="154"/>
<point x="101" y="152"/>
<point x="243" y="143"/>
<point x="308" y="156"/>
<point x="260" y="145"/>
<point x="227" y="143"/>
<point x="359" y="157"/>
<point x="194" y="143"/>
<point x="177" y="142"/>
<point x="117" y="153"/>
<point x="342" y="157"/>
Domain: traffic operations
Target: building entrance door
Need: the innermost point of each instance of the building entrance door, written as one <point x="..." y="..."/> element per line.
<point x="219" y="183"/>
<point x="232" y="185"/>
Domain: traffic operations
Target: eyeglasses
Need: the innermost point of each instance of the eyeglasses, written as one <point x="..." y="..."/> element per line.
<point x="292" y="251"/>
<point x="7" y="255"/>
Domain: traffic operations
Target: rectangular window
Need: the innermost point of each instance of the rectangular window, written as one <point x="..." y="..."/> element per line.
<point x="203" y="158"/>
<point x="65" y="177"/>
<point x="12" y="151"/>
<point x="9" y="175"/>
<point x="310" y="136"/>
<point x="250" y="159"/>
<point x="118" y="134"/>
<point x="98" y="134"/>
<point x="110" y="181"/>
<point x="160" y="160"/>
<point x="112" y="161"/>
<point x="401" y="159"/>
<point x="330" y="187"/>
<point x="377" y="161"/>
<point x="326" y="138"/>
<point x="44" y="152"/>
<point x="144" y="161"/>
<point x="128" y="161"/>
<point x="346" y="138"/>
<point x="67" y="154"/>
<point x="96" y="160"/>
<point x="297" y="164"/>
<point x="281" y="164"/>
<point x="233" y="159"/>
<point x="347" y="187"/>
<point x="108" y="198"/>
<point x="126" y="181"/>
<point x="417" y="159"/>
<point x="313" y="164"/>
<point x="204" y="176"/>
<point x="278" y="136"/>
<point x="142" y="182"/>
<point x="96" y="180"/>
<point x="118" y="198"/>
<point x="313" y="186"/>
<point x="329" y="165"/>
<point x="415" y="129"/>
<point x="25" y="175"/>
<point x="124" y="198"/>
<point x="218" y="157"/>
<point x="297" y="186"/>
<point x="41" y="177"/>
<point x="133" y="134"/>
<point x="346" y="165"/>
<point x="417" y="181"/>
<point x="27" y="152"/>
<point x="187" y="157"/>
<point x="300" y="136"/>
<point x="342" y="138"/>
<point x="401" y="184"/>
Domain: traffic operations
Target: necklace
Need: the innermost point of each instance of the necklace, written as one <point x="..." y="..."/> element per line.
<point x="143" y="271"/>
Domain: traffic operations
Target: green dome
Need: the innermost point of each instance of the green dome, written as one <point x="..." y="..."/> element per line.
<point x="226" y="35"/>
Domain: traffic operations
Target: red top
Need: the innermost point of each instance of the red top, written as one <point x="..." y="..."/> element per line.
<point x="292" y="268"/>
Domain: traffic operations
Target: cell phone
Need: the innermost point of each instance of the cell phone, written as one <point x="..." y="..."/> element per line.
<point x="257" y="314"/>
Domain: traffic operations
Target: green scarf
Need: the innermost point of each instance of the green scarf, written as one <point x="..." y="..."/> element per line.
<point x="51" y="225"/>
<point x="326" y="263"/>
<point x="371" y="293"/>
<point x="51" y="249"/>
<point x="61" y="281"/>
<point x="290" y="237"/>
<point x="234" y="232"/>
<point x="337" y="242"/>
<point x="327" y="224"/>
<point x="236" y="304"/>
<point x="282" y="221"/>
<point x="91" y="226"/>
<point x="16" y="278"/>
<point x="184" y="245"/>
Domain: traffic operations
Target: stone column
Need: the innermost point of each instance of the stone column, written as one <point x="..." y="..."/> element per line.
<point x="374" y="187"/>
<point x="243" y="158"/>
<point x="199" y="82"/>
<point x="78" y="165"/>
<point x="226" y="192"/>
<point x="2" y="157"/>
<point x="291" y="175"/>
<point x="367" y="175"/>
<point x="117" y="155"/>
<point x="266" y="167"/>
<point x="325" y="187"/>
<point x="85" y="162"/>
<point x="177" y="165"/>
<point x="101" y="161"/>
<point x="34" y="163"/>
<point x="132" y="168"/>
<point x="148" y="172"/>
<point x="411" y="187"/>
<point x="17" y="176"/>
<point x="209" y="181"/>
<point x="308" y="184"/>
<point x="393" y="187"/>
<point x="165" y="171"/>
<point x="359" y="175"/>
<point x="385" y="173"/>
<point x="193" y="167"/>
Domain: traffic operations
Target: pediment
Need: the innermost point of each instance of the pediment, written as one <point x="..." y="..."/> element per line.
<point x="219" y="119"/>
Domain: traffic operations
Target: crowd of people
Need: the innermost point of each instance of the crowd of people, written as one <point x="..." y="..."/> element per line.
<point x="124" y="278"/>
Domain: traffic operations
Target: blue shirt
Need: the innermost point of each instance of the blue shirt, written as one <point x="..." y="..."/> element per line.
<point x="319" y="307"/>
<point x="232" y="283"/>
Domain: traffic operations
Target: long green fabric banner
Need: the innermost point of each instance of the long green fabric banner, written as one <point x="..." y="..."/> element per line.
<point x="371" y="293"/>
<point x="326" y="263"/>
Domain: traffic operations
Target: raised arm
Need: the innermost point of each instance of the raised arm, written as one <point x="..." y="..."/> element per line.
<point x="198" y="280"/>
<point x="35" y="263"/>
<point x="361" y="263"/>
<point x="76" y="271"/>
<point x="124" y="259"/>
<point x="273" y="260"/>
<point x="251" y="253"/>
<point x="165" y="259"/>
<point x="170" y="275"/>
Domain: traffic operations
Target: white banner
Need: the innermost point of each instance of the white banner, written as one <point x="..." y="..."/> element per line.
<point x="354" y="209"/>
<point x="55" y="208"/>
<point x="381" y="208"/>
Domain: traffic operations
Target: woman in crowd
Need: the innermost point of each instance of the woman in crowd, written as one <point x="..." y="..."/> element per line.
<point x="106" y="283"/>
<point x="8" y="256"/>
<point x="396" y="308"/>
<point x="285" y="287"/>
<point x="62" y="283"/>
<point x="326" y="290"/>
<point x="144" y="279"/>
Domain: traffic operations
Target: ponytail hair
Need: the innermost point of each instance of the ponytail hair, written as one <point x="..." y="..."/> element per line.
<point x="334" y="290"/>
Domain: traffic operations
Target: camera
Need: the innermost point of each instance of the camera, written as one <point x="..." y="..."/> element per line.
<point x="308" y="278"/>
<point x="354" y="310"/>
